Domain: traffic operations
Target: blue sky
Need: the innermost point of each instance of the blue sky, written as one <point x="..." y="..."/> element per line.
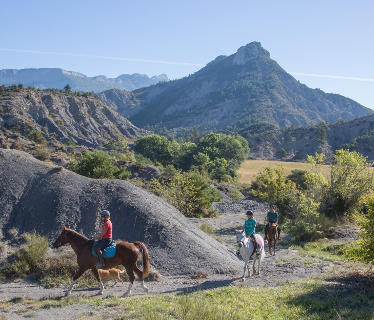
<point x="312" y="39"/>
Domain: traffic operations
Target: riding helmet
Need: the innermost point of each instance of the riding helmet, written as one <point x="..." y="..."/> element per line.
<point x="249" y="212"/>
<point x="105" y="213"/>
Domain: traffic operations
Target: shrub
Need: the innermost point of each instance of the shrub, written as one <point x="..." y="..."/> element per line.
<point x="29" y="257"/>
<point x="156" y="148"/>
<point x="363" y="249"/>
<point x="189" y="192"/>
<point x="36" y="136"/>
<point x="299" y="177"/>
<point x="350" y="180"/>
<point x="207" y="228"/>
<point x="236" y="195"/>
<point x="96" y="164"/>
<point x="272" y="186"/>
<point x="42" y="153"/>
<point x="303" y="222"/>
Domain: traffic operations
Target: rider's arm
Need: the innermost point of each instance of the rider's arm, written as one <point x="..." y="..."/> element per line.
<point x="103" y="232"/>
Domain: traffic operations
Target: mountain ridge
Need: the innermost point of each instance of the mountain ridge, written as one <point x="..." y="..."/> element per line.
<point x="232" y="92"/>
<point x="48" y="78"/>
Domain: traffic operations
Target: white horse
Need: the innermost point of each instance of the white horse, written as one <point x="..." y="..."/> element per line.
<point x="246" y="249"/>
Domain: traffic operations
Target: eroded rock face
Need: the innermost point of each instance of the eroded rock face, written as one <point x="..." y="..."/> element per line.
<point x="41" y="197"/>
<point x="64" y="117"/>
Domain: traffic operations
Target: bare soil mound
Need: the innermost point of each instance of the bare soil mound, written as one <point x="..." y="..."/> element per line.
<point x="41" y="197"/>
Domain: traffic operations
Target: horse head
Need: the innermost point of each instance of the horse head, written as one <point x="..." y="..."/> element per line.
<point x="62" y="238"/>
<point x="241" y="239"/>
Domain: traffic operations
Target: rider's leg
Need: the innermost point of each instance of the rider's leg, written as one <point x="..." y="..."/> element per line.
<point x="254" y="242"/>
<point x="97" y="248"/>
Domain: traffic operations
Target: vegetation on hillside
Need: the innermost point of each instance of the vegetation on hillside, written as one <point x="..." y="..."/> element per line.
<point x="309" y="203"/>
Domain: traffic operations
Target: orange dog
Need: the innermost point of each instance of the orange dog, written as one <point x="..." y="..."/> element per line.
<point x="110" y="274"/>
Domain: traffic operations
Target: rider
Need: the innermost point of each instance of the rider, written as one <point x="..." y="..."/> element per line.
<point x="105" y="238"/>
<point x="250" y="228"/>
<point x="272" y="217"/>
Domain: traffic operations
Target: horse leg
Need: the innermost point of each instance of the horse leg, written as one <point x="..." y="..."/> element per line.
<point x="76" y="276"/>
<point x="245" y="268"/>
<point x="270" y="247"/>
<point x="275" y="243"/>
<point x="254" y="264"/>
<point x="97" y="276"/>
<point x="130" y="273"/>
<point x="139" y="274"/>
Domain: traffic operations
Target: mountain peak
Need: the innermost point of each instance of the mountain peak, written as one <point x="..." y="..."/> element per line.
<point x="249" y="52"/>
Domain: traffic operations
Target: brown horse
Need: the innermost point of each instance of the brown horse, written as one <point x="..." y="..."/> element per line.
<point x="272" y="237"/>
<point x="126" y="254"/>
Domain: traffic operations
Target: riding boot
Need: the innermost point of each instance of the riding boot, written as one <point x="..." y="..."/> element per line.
<point x="100" y="259"/>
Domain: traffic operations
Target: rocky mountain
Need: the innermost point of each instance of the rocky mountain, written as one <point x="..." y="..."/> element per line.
<point x="37" y="196"/>
<point x="45" y="78"/>
<point x="233" y="92"/>
<point x="268" y="142"/>
<point x="60" y="118"/>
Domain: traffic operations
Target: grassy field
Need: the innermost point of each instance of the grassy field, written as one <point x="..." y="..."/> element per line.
<point x="250" y="168"/>
<point x="336" y="297"/>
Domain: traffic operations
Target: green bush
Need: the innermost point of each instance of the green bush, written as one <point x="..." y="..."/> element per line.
<point x="351" y="178"/>
<point x="29" y="257"/>
<point x="189" y="192"/>
<point x="299" y="177"/>
<point x="272" y="186"/>
<point x="363" y="249"/>
<point x="99" y="165"/>
<point x="236" y="195"/>
<point x="36" y="136"/>
<point x="207" y="228"/>
<point x="304" y="223"/>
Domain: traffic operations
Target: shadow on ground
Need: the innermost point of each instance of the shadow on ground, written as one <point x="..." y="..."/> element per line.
<point x="346" y="297"/>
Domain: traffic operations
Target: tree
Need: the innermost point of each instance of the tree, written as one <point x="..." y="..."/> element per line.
<point x="363" y="249"/>
<point x="67" y="88"/>
<point x="157" y="148"/>
<point x="351" y="178"/>
<point x="95" y="165"/>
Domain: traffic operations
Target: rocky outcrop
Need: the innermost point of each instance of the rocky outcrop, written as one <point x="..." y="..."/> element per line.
<point x="64" y="117"/>
<point x="35" y="196"/>
<point x="233" y="92"/>
<point x="48" y="78"/>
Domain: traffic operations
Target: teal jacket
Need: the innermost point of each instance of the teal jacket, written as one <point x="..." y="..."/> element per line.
<point x="272" y="216"/>
<point x="250" y="227"/>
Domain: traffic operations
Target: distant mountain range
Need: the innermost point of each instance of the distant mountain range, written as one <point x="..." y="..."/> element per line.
<point x="45" y="78"/>
<point x="232" y="93"/>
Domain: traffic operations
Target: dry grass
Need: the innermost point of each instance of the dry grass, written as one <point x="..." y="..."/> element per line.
<point x="251" y="168"/>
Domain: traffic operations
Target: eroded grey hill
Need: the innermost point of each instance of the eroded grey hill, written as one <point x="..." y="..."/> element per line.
<point x="35" y="196"/>
<point x="63" y="117"/>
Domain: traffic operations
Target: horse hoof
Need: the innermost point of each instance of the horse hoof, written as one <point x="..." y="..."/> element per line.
<point x="67" y="293"/>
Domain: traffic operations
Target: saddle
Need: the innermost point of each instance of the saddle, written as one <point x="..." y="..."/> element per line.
<point x="273" y="224"/>
<point x="108" y="251"/>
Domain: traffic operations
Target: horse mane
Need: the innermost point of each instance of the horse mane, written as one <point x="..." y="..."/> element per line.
<point x="76" y="236"/>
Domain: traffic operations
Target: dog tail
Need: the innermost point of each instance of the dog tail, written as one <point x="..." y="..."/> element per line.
<point x="143" y="274"/>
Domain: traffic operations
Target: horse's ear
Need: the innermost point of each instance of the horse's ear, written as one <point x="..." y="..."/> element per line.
<point x="64" y="228"/>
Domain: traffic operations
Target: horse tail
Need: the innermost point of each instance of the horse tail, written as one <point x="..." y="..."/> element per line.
<point x="143" y="274"/>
